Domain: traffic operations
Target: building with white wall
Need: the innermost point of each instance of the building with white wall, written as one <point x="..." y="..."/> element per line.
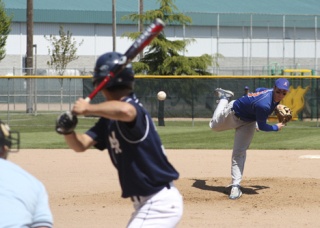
<point x="253" y="36"/>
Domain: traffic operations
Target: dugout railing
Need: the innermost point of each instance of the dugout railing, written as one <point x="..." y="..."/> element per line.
<point x="187" y="96"/>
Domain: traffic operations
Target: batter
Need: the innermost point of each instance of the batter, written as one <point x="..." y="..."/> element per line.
<point x="242" y="115"/>
<point x="127" y="131"/>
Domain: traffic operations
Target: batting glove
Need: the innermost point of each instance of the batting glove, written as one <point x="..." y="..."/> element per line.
<point x="66" y="123"/>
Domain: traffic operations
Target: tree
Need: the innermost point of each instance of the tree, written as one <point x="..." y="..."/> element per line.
<point x="5" y="28"/>
<point x="62" y="50"/>
<point x="163" y="56"/>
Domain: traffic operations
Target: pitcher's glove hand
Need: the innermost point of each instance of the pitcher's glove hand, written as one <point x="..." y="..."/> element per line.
<point x="283" y="113"/>
<point x="66" y="123"/>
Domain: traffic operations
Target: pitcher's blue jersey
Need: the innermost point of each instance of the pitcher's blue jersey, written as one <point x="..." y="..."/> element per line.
<point x="256" y="106"/>
<point x="136" y="151"/>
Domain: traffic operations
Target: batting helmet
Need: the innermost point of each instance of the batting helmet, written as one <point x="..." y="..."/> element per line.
<point x="8" y="138"/>
<point x="105" y="63"/>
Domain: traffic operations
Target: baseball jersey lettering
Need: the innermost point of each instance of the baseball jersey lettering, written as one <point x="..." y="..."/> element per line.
<point x="114" y="143"/>
<point x="256" y="93"/>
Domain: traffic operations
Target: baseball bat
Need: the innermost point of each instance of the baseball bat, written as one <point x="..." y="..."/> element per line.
<point x="139" y="44"/>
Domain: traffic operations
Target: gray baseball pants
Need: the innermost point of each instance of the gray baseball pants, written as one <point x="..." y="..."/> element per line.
<point x="224" y="119"/>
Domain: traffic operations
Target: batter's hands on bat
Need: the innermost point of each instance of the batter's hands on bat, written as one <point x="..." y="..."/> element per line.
<point x="80" y="107"/>
<point x="66" y="123"/>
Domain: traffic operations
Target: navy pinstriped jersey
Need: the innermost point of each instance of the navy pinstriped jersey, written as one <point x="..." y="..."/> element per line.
<point x="136" y="151"/>
<point x="257" y="106"/>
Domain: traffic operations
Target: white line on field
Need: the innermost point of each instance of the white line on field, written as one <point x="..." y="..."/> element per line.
<point x="310" y="157"/>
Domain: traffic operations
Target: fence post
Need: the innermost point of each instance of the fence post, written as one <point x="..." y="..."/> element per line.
<point x="161" y="113"/>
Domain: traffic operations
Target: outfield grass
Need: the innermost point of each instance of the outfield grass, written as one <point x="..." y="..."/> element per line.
<point x="185" y="135"/>
<point x="38" y="132"/>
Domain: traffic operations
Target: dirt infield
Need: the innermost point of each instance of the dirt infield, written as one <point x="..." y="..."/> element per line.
<point x="280" y="189"/>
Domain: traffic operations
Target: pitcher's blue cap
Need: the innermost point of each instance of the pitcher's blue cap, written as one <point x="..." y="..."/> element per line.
<point x="246" y="87"/>
<point x="282" y="83"/>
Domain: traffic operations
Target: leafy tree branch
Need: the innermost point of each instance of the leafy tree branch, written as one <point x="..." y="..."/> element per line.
<point x="5" y="29"/>
<point x="62" y="50"/>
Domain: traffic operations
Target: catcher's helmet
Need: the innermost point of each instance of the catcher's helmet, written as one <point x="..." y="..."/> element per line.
<point x="8" y="138"/>
<point x="103" y="66"/>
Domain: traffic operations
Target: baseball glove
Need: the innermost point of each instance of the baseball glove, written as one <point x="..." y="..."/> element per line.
<point x="66" y="123"/>
<point x="283" y="113"/>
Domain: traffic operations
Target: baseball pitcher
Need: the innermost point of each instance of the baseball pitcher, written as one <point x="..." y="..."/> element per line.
<point x="242" y="115"/>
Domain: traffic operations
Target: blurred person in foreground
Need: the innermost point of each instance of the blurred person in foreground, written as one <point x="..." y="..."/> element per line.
<point x="127" y="131"/>
<point x="23" y="198"/>
<point x="242" y="115"/>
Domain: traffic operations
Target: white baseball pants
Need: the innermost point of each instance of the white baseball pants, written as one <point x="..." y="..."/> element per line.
<point x="163" y="209"/>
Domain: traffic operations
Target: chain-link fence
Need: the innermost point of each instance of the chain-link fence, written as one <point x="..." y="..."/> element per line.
<point x="187" y="96"/>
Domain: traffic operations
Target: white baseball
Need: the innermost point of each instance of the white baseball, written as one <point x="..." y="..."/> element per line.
<point x="161" y="96"/>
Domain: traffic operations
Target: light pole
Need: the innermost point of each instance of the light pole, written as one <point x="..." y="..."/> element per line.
<point x="114" y="24"/>
<point x="29" y="63"/>
<point x="35" y="80"/>
<point x="35" y="59"/>
<point x="140" y="22"/>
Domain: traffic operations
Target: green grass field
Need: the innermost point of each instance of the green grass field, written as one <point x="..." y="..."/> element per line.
<point x="182" y="135"/>
<point x="38" y="132"/>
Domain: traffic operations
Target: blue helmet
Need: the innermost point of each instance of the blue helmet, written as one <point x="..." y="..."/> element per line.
<point x="106" y="62"/>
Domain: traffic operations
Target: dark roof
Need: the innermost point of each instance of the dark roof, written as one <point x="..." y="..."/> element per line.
<point x="202" y="12"/>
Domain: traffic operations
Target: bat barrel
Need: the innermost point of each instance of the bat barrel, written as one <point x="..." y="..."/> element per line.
<point x="141" y="42"/>
<point x="144" y="39"/>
